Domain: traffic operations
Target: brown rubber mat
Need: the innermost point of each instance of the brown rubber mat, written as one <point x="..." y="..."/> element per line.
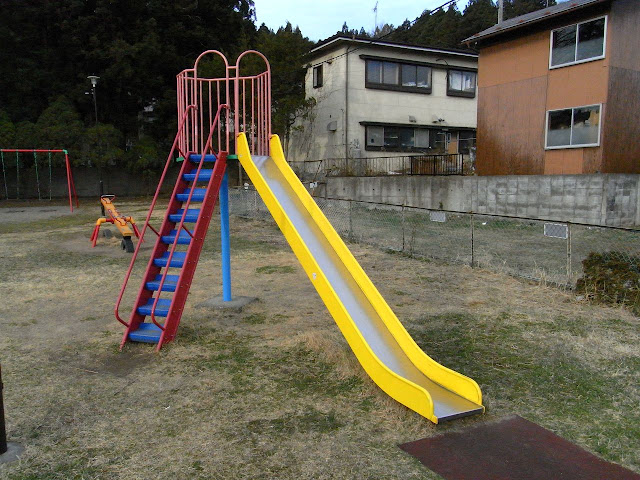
<point x="511" y="449"/>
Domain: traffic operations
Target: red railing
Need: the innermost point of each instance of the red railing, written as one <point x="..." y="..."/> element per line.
<point x="153" y="203"/>
<point x="185" y="208"/>
<point x="249" y="98"/>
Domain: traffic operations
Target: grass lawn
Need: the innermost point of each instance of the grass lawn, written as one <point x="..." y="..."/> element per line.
<point x="274" y="391"/>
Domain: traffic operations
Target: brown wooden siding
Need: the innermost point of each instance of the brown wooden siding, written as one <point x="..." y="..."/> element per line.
<point x="512" y="139"/>
<point x="621" y="132"/>
<point x="516" y="88"/>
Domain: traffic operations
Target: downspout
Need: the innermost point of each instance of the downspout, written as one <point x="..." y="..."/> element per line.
<point x="346" y="110"/>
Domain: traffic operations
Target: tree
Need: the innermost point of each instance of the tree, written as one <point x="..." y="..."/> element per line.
<point x="7" y="130"/>
<point x="145" y="157"/>
<point x="101" y="146"/>
<point x="286" y="50"/>
<point x="477" y="16"/>
<point x="59" y="126"/>
<point x="515" y="8"/>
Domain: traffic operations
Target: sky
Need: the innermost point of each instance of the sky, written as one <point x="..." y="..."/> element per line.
<point x="321" y="19"/>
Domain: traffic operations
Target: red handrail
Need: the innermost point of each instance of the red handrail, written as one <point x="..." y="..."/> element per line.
<point x="153" y="203"/>
<point x="185" y="209"/>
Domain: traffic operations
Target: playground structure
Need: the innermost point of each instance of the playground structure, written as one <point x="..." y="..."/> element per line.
<point x="380" y="342"/>
<point x="71" y="188"/>
<point x="120" y="221"/>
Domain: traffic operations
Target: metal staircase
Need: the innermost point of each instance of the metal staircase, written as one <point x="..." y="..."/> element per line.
<point x="165" y="285"/>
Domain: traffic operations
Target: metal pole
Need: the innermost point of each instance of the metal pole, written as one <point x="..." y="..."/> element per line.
<point x="500" y="11"/>
<point x="101" y="194"/>
<point x="3" y="431"/>
<point x="403" y="228"/>
<point x="473" y="260"/>
<point x="351" y="220"/>
<point x="224" y="234"/>
<point x="569" y="272"/>
<point x="95" y="103"/>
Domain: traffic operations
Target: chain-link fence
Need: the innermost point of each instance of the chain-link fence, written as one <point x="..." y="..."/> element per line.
<point x="551" y="252"/>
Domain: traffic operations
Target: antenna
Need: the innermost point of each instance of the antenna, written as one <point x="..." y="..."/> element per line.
<point x="375" y="22"/>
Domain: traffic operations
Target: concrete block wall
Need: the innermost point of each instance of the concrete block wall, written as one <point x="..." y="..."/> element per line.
<point x="598" y="199"/>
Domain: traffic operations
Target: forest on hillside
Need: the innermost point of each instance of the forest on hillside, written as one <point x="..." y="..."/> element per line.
<point x="136" y="47"/>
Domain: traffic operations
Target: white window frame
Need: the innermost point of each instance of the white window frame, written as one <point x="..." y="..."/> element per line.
<point x="585" y="145"/>
<point x="317" y="71"/>
<point x="586" y="60"/>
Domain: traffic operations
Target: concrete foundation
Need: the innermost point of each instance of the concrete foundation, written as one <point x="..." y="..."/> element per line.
<point x="12" y="454"/>
<point x="236" y="304"/>
<point x="598" y="199"/>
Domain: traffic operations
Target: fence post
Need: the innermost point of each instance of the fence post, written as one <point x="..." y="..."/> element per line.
<point x="402" y="227"/>
<point x="569" y="272"/>
<point x="351" y="220"/>
<point x="473" y="260"/>
<point x="255" y="202"/>
<point x="3" y="431"/>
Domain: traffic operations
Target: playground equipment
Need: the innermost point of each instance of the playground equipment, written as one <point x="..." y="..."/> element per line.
<point x="7" y="164"/>
<point x="380" y="342"/>
<point x="120" y="221"/>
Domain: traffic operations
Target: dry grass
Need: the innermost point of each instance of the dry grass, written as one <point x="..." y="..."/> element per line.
<point x="274" y="391"/>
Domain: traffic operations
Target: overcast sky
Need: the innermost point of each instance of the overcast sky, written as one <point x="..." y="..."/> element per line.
<point x="321" y="19"/>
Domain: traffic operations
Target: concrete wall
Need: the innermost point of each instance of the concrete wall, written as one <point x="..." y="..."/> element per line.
<point x="604" y="199"/>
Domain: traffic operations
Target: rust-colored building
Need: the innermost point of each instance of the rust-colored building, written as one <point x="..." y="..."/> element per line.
<point x="559" y="91"/>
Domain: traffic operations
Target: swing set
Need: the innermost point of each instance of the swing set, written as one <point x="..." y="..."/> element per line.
<point x="9" y="163"/>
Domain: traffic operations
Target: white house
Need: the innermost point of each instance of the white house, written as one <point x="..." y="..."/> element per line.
<point x="378" y="98"/>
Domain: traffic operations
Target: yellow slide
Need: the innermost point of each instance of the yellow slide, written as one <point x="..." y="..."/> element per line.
<point x="380" y="342"/>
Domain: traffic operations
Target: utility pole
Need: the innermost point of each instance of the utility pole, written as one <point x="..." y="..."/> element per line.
<point x="500" y="11"/>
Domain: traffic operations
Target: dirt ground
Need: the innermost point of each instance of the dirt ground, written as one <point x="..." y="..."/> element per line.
<point x="274" y="391"/>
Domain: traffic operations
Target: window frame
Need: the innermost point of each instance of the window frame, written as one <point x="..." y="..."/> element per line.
<point x="584" y="145"/>
<point x="461" y="93"/>
<point x="317" y="81"/>
<point x="397" y="87"/>
<point x="383" y="148"/>
<point x="585" y="60"/>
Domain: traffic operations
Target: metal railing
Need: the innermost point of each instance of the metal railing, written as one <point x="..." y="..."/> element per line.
<point x="433" y="164"/>
<point x="170" y="158"/>
<point x="547" y="251"/>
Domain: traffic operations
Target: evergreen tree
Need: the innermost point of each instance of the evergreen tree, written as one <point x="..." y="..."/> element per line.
<point x="7" y="130"/>
<point x="286" y="50"/>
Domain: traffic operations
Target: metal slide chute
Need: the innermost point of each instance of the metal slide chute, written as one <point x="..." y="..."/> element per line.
<point x="380" y="342"/>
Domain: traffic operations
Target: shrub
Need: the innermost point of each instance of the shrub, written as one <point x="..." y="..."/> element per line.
<point x="611" y="277"/>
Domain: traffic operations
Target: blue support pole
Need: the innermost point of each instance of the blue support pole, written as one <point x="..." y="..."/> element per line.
<point x="224" y="234"/>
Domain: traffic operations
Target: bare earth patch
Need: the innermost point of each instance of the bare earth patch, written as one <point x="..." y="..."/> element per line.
<point x="274" y="391"/>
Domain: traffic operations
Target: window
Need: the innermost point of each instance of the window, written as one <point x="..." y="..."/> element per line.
<point x="398" y="139"/>
<point x="398" y="76"/>
<point x="466" y="140"/>
<point x="461" y="83"/>
<point x="317" y="76"/>
<point x="573" y="127"/>
<point x="578" y="43"/>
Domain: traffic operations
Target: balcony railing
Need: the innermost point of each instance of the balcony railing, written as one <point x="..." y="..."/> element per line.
<point x="441" y="164"/>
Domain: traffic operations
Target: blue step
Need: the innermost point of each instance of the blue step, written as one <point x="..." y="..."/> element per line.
<point x="147" y="333"/>
<point x="205" y="175"/>
<point x="196" y="157"/>
<point x="170" y="283"/>
<point x="162" y="308"/>
<point x="183" y="238"/>
<point x="176" y="261"/>
<point x="191" y="216"/>
<point x="198" y="195"/>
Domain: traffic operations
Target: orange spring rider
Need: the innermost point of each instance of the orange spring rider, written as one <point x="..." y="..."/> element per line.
<point x="120" y="221"/>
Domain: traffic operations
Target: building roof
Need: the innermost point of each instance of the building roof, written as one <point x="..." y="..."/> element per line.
<point x="515" y="23"/>
<point x="331" y="42"/>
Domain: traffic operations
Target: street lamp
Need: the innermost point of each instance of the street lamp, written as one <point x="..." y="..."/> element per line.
<point x="94" y="82"/>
